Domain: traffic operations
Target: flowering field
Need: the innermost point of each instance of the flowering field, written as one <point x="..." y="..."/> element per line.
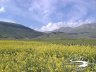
<point x="40" y="56"/>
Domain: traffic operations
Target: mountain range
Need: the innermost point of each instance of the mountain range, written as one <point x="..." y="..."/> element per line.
<point x="87" y="31"/>
<point x="18" y="31"/>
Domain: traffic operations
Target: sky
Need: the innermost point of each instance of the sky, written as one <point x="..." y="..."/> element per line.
<point x="48" y="15"/>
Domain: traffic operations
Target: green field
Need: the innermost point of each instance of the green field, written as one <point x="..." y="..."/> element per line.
<point x="46" y="55"/>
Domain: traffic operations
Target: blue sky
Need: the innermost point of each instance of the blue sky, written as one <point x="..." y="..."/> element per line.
<point x="47" y="15"/>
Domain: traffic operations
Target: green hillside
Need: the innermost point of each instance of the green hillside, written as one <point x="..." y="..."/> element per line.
<point x="17" y="31"/>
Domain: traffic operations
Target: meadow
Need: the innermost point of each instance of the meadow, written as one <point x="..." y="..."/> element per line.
<point x="46" y="55"/>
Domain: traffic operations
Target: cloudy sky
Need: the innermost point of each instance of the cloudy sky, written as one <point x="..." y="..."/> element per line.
<point x="47" y="15"/>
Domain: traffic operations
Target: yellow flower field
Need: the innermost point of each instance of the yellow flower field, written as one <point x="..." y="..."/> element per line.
<point x="36" y="56"/>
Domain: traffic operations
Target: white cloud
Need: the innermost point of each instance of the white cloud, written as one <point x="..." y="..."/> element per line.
<point x="77" y="12"/>
<point x="51" y="26"/>
<point x="3" y="0"/>
<point x="54" y="26"/>
<point x="42" y="9"/>
<point x="2" y="9"/>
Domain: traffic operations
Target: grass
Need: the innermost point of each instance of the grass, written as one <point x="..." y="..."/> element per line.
<point x="43" y="56"/>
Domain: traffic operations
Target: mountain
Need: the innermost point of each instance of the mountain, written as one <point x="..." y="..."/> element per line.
<point x="82" y="28"/>
<point x="17" y="31"/>
<point x="86" y="31"/>
<point x="88" y="28"/>
<point x="64" y="29"/>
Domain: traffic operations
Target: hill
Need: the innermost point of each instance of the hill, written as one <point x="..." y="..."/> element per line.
<point x="17" y="31"/>
<point x="86" y="31"/>
<point x="82" y="28"/>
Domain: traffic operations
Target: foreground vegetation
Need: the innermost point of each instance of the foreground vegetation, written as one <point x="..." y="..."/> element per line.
<point x="42" y="56"/>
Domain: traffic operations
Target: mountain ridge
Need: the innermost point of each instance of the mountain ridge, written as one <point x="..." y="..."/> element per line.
<point x="70" y="29"/>
<point x="17" y="31"/>
<point x="86" y="31"/>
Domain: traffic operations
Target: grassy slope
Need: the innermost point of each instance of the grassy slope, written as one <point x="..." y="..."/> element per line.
<point x="16" y="31"/>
